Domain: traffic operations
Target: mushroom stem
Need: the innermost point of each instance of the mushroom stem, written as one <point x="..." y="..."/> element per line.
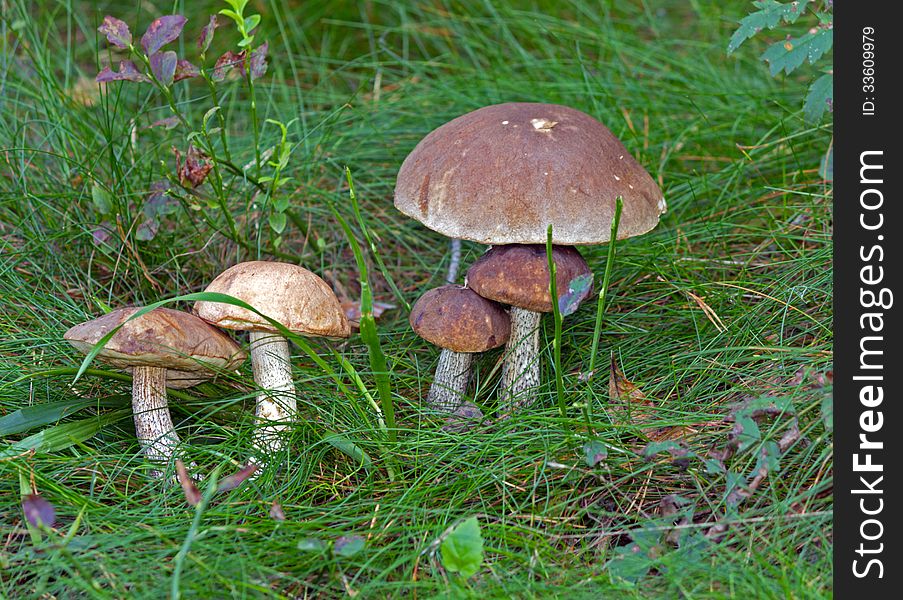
<point x="520" y="369"/>
<point x="153" y="424"/>
<point x="450" y="381"/>
<point x="276" y="403"/>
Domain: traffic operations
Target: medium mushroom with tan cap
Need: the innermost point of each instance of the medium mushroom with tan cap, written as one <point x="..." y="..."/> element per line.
<point x="163" y="348"/>
<point x="462" y="323"/>
<point x="503" y="174"/>
<point x="292" y="296"/>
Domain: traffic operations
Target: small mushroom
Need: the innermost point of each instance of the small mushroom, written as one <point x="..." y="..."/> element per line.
<point x="296" y="298"/>
<point x="518" y="275"/>
<point x="161" y="348"/>
<point x="461" y="323"/>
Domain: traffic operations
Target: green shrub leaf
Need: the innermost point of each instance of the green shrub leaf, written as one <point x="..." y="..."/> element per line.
<point x="462" y="549"/>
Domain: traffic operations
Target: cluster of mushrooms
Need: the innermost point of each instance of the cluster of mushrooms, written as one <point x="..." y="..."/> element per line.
<point x="166" y="348"/>
<point x="499" y="176"/>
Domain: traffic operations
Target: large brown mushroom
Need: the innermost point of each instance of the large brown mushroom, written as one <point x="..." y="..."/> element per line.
<point x="502" y="174"/>
<point x="462" y="323"/>
<point x="163" y="348"/>
<point x="297" y="299"/>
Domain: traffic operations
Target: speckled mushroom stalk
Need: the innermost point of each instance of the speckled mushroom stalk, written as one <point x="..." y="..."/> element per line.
<point x="271" y="362"/>
<point x="163" y="348"/>
<point x="520" y="367"/>
<point x="461" y="323"/>
<point x="450" y="380"/>
<point x="302" y="303"/>
<point x="518" y="275"/>
<point x="153" y="424"/>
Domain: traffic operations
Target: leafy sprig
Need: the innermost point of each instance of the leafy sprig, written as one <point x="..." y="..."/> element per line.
<point x="789" y="54"/>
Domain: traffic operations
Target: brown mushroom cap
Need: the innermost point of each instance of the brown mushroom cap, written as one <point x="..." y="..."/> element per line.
<point x="518" y="275"/>
<point x="292" y="295"/>
<point x="187" y="347"/>
<point x="456" y="318"/>
<point x="501" y="174"/>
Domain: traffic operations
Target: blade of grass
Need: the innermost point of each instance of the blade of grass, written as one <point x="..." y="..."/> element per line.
<point x="556" y="314"/>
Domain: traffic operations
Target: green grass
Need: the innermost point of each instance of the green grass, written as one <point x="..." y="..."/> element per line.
<point x="726" y="300"/>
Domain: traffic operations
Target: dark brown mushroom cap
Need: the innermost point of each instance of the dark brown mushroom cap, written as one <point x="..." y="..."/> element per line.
<point x="287" y="293"/>
<point x="518" y="275"/>
<point x="503" y="173"/>
<point x="188" y="347"/>
<point x="456" y="318"/>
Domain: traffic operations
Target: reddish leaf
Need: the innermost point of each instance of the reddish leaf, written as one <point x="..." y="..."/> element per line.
<point x="195" y="169"/>
<point x="226" y="62"/>
<point x="230" y="482"/>
<point x="207" y="34"/>
<point x="185" y="70"/>
<point x="127" y="72"/>
<point x="163" y="66"/>
<point x="352" y="310"/>
<point x="192" y="493"/>
<point x="276" y="512"/>
<point x="38" y="511"/>
<point x="259" y="60"/>
<point x="161" y="32"/>
<point x="577" y="290"/>
<point x="102" y="233"/>
<point x="116" y="31"/>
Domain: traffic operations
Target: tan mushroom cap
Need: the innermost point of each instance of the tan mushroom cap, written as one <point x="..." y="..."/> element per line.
<point x="189" y="348"/>
<point x="501" y="174"/>
<point x="456" y="318"/>
<point x="287" y="293"/>
<point x="518" y="275"/>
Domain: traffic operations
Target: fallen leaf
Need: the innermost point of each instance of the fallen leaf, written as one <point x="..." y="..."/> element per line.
<point x="191" y="491"/>
<point x="38" y="511"/>
<point x="276" y="512"/>
<point x="230" y="482"/>
<point x="352" y="310"/>
<point x="626" y="397"/>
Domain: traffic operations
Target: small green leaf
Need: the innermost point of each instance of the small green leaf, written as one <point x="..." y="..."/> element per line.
<point x="819" y="99"/>
<point x="594" y="452"/>
<point x="251" y="22"/>
<point x="827" y="412"/>
<point x="348" y="545"/>
<point x="749" y="432"/>
<point x="103" y="201"/>
<point x="310" y="544"/>
<point x="462" y="549"/>
<point x="277" y="221"/>
<point x="231" y="14"/>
